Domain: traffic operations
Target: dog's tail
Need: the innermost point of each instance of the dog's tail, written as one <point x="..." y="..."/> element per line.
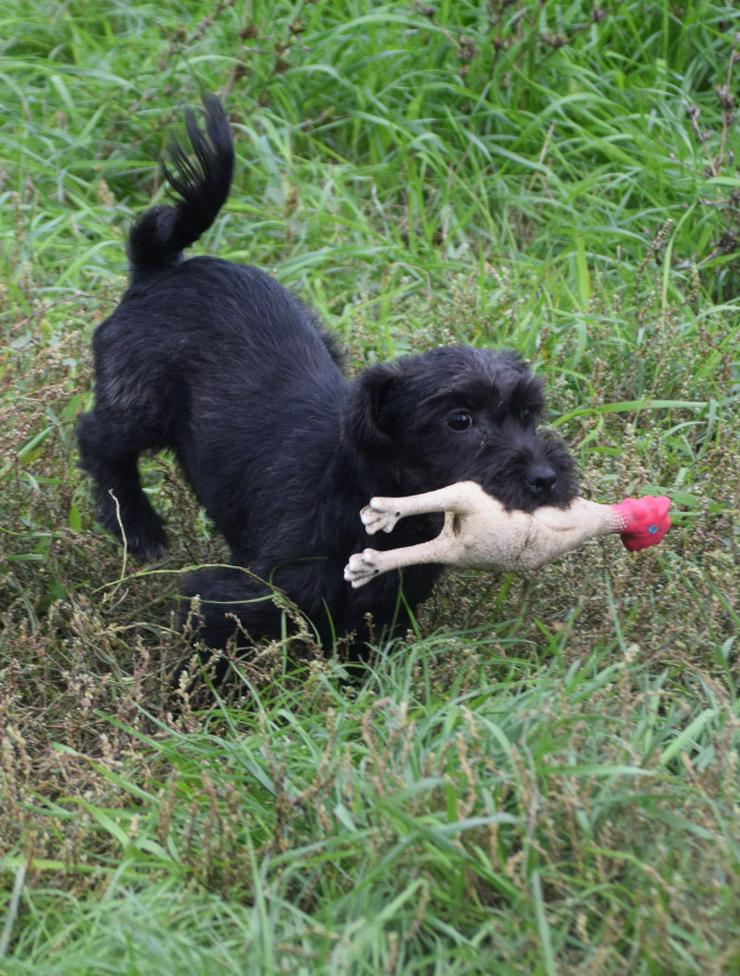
<point x="202" y="184"/>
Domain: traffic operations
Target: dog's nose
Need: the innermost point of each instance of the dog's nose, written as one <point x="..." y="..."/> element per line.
<point x="541" y="479"/>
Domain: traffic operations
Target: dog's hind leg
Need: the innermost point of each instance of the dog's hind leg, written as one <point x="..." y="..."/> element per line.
<point x="232" y="603"/>
<point x="226" y="607"/>
<point x="122" y="505"/>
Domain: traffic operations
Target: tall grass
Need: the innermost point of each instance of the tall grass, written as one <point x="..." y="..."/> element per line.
<point x="540" y="779"/>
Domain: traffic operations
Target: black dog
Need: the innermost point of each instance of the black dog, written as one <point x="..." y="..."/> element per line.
<point x="220" y="363"/>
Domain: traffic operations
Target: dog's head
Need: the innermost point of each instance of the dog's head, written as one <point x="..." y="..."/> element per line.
<point x="461" y="414"/>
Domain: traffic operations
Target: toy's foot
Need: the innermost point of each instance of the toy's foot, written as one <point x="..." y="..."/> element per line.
<point x="362" y="567"/>
<point x="380" y="515"/>
<point x="646" y="521"/>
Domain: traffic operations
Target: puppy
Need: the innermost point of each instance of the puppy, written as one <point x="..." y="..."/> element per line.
<point x="219" y="363"/>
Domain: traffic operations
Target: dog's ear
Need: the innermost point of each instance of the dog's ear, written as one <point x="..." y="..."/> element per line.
<point x="364" y="425"/>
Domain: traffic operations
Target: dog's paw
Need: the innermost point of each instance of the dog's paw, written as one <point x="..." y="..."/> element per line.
<point x="379" y="516"/>
<point x="362" y="567"/>
<point x="146" y="539"/>
<point x="147" y="550"/>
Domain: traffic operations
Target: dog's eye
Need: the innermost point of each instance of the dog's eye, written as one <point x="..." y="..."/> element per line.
<point x="462" y="420"/>
<point x="527" y="416"/>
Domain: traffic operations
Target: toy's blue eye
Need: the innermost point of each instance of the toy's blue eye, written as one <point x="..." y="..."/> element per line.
<point x="459" y="421"/>
<point x="653" y="529"/>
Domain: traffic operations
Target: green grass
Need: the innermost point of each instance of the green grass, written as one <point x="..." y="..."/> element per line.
<point x="541" y="779"/>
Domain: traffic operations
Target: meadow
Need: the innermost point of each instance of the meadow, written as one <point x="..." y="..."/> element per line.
<point x="541" y="778"/>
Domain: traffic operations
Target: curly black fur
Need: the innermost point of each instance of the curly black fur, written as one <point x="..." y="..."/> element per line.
<point x="218" y="362"/>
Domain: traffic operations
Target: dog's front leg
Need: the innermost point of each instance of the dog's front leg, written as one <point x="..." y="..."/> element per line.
<point x="382" y="514"/>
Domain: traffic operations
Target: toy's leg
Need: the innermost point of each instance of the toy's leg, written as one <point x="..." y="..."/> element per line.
<point x="462" y="498"/>
<point x="366" y="565"/>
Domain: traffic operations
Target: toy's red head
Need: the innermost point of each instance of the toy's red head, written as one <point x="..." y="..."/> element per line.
<point x="646" y="521"/>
